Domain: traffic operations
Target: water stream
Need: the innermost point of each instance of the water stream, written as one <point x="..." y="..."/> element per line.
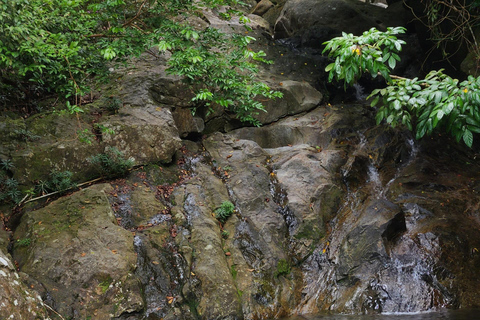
<point x="462" y="314"/>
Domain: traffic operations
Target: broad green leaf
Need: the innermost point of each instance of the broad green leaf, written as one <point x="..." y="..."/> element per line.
<point x="468" y="137"/>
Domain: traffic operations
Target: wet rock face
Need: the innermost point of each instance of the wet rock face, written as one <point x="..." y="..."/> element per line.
<point x="319" y="23"/>
<point x="81" y="257"/>
<point x="396" y="244"/>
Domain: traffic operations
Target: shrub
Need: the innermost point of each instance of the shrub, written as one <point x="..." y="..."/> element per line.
<point x="422" y="105"/>
<point x="60" y="180"/>
<point x="58" y="46"/>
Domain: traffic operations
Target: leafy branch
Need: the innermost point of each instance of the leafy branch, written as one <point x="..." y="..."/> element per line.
<point x="422" y="105"/>
<point x="355" y="55"/>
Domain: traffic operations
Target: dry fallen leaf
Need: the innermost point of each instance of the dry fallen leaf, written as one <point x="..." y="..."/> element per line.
<point x="83" y="254"/>
<point x="155" y="262"/>
<point x="169" y="300"/>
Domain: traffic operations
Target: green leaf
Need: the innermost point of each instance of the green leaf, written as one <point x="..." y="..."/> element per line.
<point x="379" y="116"/>
<point x="397" y="105"/>
<point x="475" y="129"/>
<point x="468" y="137"/>
<point x="392" y="62"/>
<point x="440" y="114"/>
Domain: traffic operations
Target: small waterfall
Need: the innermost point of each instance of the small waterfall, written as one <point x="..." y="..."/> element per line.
<point x="374" y="180"/>
<point x="360" y="94"/>
<point x="412" y="154"/>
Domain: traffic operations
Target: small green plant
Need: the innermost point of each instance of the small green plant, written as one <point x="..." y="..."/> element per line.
<point x="283" y="268"/>
<point x="85" y="136"/>
<point x="225" y="234"/>
<point x="112" y="163"/>
<point x="25" y="135"/>
<point x="9" y="189"/>
<point x="60" y="180"/>
<point x="103" y="129"/>
<point x="113" y="104"/>
<point x="25" y="242"/>
<point x="105" y="284"/>
<point x="225" y="211"/>
<point x="6" y="164"/>
<point x="8" y="186"/>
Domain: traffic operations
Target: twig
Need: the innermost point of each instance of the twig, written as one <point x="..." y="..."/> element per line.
<point x="56" y="192"/>
<point x="136" y="16"/>
<point x="397" y="77"/>
<point x="51" y="309"/>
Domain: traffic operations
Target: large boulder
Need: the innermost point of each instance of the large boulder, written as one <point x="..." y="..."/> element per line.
<point x="82" y="258"/>
<point x="62" y="142"/>
<point x="147" y="134"/>
<point x="298" y="97"/>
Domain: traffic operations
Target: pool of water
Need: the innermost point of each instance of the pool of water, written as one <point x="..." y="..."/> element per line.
<point x="470" y="314"/>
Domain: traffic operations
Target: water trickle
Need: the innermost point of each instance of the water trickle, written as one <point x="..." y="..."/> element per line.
<point x="279" y="196"/>
<point x="122" y="209"/>
<point x="160" y="268"/>
<point x="374" y="179"/>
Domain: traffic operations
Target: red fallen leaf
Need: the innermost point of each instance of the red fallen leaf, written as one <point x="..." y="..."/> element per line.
<point x="83" y="254"/>
<point x="228" y="254"/>
<point x="229" y="156"/>
<point x="114" y="251"/>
